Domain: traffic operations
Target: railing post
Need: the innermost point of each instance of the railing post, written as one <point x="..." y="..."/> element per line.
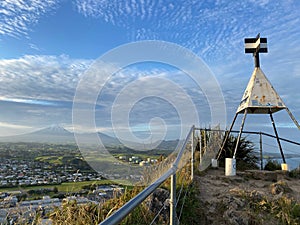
<point x="173" y="216"/>
<point x="192" y="152"/>
<point x="204" y="140"/>
<point x="200" y="148"/>
<point x="261" y="153"/>
<point x="240" y="134"/>
<point x="277" y="137"/>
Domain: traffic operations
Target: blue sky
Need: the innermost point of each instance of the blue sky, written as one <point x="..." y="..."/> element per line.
<point x="46" y="46"/>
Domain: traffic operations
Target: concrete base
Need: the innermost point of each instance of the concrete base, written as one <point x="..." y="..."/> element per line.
<point x="214" y="163"/>
<point x="230" y="167"/>
<point x="284" y="167"/>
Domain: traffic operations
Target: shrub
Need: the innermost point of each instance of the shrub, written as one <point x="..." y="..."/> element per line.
<point x="245" y="156"/>
<point x="272" y="165"/>
<point x="295" y="173"/>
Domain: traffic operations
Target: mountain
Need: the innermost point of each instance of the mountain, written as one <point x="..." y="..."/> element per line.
<point x="52" y="134"/>
<point x="58" y="134"/>
<point x="53" y="130"/>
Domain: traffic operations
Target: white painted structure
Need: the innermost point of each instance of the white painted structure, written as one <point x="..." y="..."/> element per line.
<point x="260" y="97"/>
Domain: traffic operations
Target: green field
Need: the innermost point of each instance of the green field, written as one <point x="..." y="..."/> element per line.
<point x="63" y="187"/>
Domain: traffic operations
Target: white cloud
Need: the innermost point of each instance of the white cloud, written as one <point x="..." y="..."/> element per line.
<point x="41" y="89"/>
<point x="26" y="101"/>
<point x="214" y="29"/>
<point x="31" y="78"/>
<point x="41" y="81"/>
<point x="261" y="3"/>
<point x="14" y="126"/>
<point x="17" y="15"/>
<point x="8" y="129"/>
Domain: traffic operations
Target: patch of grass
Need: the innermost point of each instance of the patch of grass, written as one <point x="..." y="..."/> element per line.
<point x="57" y="160"/>
<point x="262" y="210"/>
<point x="73" y="213"/>
<point x="192" y="212"/>
<point x="63" y="187"/>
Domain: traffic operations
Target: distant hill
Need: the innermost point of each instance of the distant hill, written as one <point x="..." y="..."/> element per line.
<point x="89" y="138"/>
<point x="274" y="155"/>
<point x="170" y="144"/>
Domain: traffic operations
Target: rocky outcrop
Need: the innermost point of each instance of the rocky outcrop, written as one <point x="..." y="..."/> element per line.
<point x="158" y="202"/>
<point x="251" y="197"/>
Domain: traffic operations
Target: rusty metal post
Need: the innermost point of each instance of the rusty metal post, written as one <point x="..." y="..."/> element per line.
<point x="200" y="148"/>
<point x="240" y="133"/>
<point x="261" y="153"/>
<point x="277" y="138"/>
<point x="192" y="153"/>
<point x="204" y="140"/>
<point x="173" y="217"/>
<point x="226" y="136"/>
<point x="293" y="118"/>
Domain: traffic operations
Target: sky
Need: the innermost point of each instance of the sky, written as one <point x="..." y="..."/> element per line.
<point x="47" y="47"/>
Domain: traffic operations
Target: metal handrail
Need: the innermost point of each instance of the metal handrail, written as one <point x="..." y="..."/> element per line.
<point x="122" y="212"/>
<point x="254" y="132"/>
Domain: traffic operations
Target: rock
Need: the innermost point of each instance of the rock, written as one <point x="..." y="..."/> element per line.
<point x="280" y="186"/>
<point x="277" y="197"/>
<point x="235" y="218"/>
<point x="159" y="200"/>
<point x="256" y="196"/>
<point x="237" y="191"/>
<point x="261" y="175"/>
